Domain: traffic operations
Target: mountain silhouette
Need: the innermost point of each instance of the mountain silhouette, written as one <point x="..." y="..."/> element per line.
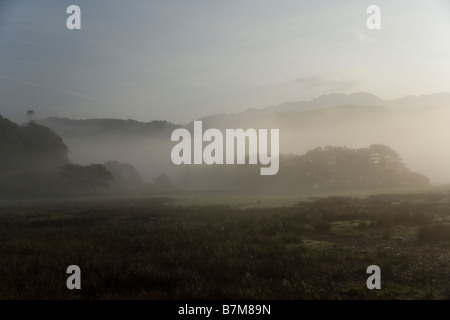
<point x="329" y="100"/>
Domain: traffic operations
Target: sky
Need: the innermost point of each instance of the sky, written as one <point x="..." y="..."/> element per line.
<point x="183" y="60"/>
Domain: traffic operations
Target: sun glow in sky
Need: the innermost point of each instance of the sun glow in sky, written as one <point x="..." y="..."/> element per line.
<point x="182" y="60"/>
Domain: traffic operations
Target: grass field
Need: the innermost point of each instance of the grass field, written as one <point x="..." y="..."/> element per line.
<point x="208" y="246"/>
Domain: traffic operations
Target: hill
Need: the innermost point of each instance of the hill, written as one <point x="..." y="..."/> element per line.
<point x="30" y="148"/>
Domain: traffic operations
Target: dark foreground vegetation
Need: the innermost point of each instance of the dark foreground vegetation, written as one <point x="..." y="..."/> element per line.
<point x="157" y="248"/>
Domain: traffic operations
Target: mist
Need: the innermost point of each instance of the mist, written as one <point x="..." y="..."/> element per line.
<point x="418" y="134"/>
<point x="150" y="156"/>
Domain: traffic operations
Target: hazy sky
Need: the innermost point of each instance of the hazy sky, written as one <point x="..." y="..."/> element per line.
<point x="181" y="60"/>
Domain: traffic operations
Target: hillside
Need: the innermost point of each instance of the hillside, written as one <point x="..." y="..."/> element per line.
<point x="30" y="148"/>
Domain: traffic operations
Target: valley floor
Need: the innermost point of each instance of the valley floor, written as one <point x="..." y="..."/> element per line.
<point x="176" y="247"/>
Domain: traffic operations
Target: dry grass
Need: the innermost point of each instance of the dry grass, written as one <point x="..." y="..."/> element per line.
<point x="147" y="249"/>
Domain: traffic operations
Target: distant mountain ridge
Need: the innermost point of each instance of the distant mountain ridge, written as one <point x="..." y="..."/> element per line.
<point x="364" y="98"/>
<point x="328" y="100"/>
<point x="416" y="126"/>
<point x="436" y="100"/>
<point x="96" y="126"/>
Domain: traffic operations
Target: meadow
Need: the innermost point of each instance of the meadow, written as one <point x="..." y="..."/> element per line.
<point x="177" y="246"/>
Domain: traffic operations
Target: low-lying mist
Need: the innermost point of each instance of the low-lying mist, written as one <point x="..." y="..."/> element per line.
<point x="418" y="135"/>
<point x="150" y="156"/>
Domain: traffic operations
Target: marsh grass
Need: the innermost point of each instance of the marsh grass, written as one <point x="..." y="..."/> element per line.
<point x="154" y="249"/>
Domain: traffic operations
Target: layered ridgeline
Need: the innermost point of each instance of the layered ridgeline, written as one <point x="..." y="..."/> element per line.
<point x="415" y="127"/>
